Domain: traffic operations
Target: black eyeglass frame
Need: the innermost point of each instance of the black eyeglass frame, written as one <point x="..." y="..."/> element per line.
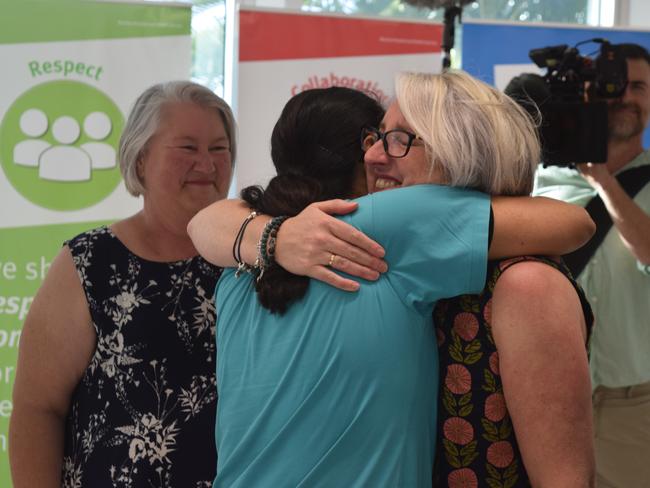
<point x="383" y="135"/>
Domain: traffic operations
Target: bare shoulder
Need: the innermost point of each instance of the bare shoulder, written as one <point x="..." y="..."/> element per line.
<point x="57" y="332"/>
<point x="533" y="280"/>
<point x="539" y="297"/>
<point x="60" y="310"/>
<point x="539" y="331"/>
<point x="61" y="288"/>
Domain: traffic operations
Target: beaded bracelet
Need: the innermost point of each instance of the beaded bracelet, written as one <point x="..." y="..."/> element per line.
<point x="236" y="247"/>
<point x="266" y="244"/>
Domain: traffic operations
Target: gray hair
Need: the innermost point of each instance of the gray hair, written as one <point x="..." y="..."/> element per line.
<point x="477" y="136"/>
<point x="145" y="117"/>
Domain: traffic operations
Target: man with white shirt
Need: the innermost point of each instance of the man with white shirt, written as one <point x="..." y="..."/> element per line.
<point x="617" y="281"/>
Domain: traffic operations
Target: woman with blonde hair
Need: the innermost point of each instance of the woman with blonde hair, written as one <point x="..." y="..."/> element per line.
<point x="340" y="389"/>
<point x="508" y="411"/>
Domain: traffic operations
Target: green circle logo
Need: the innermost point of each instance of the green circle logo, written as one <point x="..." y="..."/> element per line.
<point x="58" y="145"/>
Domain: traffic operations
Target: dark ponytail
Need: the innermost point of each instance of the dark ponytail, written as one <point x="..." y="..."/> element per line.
<point x="316" y="151"/>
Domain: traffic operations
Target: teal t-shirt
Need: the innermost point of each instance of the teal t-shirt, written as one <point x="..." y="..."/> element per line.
<point x="341" y="390"/>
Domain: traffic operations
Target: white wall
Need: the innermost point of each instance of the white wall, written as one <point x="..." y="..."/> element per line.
<point x="290" y="4"/>
<point x="639" y="13"/>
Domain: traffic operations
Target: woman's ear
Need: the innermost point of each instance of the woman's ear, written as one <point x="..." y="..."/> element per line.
<point x="139" y="166"/>
<point x="359" y="185"/>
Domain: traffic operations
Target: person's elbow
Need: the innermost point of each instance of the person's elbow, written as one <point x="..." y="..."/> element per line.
<point x="585" y="227"/>
<point x="201" y="231"/>
<point x="194" y="228"/>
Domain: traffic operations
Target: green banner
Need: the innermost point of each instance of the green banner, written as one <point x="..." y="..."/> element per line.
<point x="25" y="257"/>
<point x="70" y="20"/>
<point x="71" y="70"/>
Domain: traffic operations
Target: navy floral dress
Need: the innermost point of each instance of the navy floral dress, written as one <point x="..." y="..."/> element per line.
<point x="143" y="413"/>
<point x="476" y="445"/>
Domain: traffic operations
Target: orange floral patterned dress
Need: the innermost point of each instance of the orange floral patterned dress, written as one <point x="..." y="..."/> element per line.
<point x="476" y="441"/>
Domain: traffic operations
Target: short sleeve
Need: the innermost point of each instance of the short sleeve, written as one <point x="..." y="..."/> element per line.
<point x="435" y="239"/>
<point x="643" y="268"/>
<point x="564" y="184"/>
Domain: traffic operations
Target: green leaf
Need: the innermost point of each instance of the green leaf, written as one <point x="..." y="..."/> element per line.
<point x="505" y="430"/>
<point x="450" y="407"/>
<point x="449" y="396"/>
<point x="491" y="438"/>
<point x="465" y="303"/>
<point x="510" y="482"/>
<point x="473" y="346"/>
<point x="490" y="383"/>
<point x="489" y="427"/>
<point x="473" y="358"/>
<point x="469" y="448"/>
<point x="456" y="339"/>
<point x="456" y="354"/>
<point x="512" y="469"/>
<point x="465" y="399"/>
<point x="492" y="471"/>
<point x="494" y="483"/>
<point x="469" y="459"/>
<point x="453" y="460"/>
<point x="469" y="304"/>
<point x="450" y="447"/>
<point x="466" y="410"/>
<point x="456" y="348"/>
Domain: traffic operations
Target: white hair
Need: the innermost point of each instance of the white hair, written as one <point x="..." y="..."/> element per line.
<point x="145" y="117"/>
<point x="477" y="136"/>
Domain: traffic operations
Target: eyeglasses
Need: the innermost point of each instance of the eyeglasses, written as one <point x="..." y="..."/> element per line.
<point x="396" y="142"/>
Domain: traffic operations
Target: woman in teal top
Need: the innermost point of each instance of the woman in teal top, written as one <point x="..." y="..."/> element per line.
<point x="340" y="389"/>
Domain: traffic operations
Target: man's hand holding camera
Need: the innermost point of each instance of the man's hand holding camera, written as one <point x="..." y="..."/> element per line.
<point x="597" y="175"/>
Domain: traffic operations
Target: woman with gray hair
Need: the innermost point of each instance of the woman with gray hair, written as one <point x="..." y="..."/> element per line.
<point x="330" y="357"/>
<point x="510" y="412"/>
<point x="514" y="403"/>
<point x="115" y="384"/>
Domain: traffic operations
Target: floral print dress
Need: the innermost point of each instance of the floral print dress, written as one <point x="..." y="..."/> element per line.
<point x="143" y="413"/>
<point x="476" y="445"/>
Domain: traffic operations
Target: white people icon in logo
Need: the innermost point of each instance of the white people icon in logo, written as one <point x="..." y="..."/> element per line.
<point x="33" y="123"/>
<point x="64" y="161"/>
<point x="98" y="126"/>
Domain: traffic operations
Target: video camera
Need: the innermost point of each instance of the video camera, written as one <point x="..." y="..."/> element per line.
<point x="571" y="97"/>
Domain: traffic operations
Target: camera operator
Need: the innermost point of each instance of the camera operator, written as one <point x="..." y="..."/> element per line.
<point x="616" y="279"/>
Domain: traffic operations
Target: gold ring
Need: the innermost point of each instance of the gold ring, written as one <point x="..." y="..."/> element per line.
<point x="332" y="258"/>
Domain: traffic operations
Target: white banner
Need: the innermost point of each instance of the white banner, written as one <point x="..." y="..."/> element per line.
<point x="282" y="54"/>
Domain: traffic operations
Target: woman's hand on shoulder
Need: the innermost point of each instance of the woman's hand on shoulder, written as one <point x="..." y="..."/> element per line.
<point x="313" y="243"/>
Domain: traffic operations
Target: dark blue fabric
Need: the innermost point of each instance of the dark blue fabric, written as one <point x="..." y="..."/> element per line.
<point x="143" y="413"/>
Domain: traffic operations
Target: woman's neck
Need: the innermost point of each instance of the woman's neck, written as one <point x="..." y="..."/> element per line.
<point x="156" y="236"/>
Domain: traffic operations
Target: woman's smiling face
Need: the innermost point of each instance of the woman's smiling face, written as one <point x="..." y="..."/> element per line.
<point x="187" y="163"/>
<point x="384" y="172"/>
